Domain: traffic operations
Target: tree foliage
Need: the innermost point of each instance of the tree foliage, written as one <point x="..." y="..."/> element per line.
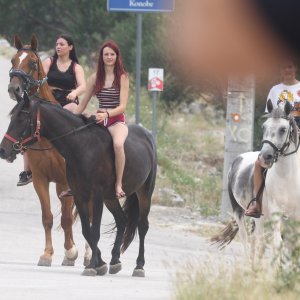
<point x="90" y="24"/>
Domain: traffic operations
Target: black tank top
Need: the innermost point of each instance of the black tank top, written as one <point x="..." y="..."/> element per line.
<point x="62" y="80"/>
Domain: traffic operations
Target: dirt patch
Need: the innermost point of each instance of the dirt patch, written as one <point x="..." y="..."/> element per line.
<point x="184" y="219"/>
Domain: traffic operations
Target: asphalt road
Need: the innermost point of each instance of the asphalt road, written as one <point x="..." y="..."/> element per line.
<point x="168" y="250"/>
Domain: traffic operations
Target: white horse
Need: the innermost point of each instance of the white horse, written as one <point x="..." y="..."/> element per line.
<point x="281" y="195"/>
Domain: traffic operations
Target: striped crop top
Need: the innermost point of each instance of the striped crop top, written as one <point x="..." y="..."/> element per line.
<point x="108" y="97"/>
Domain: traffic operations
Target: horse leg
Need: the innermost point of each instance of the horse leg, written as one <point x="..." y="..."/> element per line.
<point x="88" y="250"/>
<point x="92" y="235"/>
<point x="115" y="208"/>
<point x="143" y="226"/>
<point x="277" y="241"/>
<point x="96" y="260"/>
<point x="42" y="189"/>
<point x="257" y="244"/>
<point x="240" y="220"/>
<point x="67" y="204"/>
<point x="87" y="254"/>
<point x="83" y="211"/>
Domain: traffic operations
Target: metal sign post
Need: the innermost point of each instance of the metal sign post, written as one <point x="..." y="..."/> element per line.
<point x="139" y="6"/>
<point x="155" y="85"/>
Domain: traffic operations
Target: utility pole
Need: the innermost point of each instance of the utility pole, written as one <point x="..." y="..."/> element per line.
<point x="239" y="128"/>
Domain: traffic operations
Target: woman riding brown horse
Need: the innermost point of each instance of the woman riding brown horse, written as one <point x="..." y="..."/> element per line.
<point x="47" y="166"/>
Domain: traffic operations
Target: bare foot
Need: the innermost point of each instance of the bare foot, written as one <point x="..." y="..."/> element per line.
<point x="119" y="192"/>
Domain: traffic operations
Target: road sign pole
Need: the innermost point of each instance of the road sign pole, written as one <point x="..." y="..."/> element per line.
<point x="154" y="97"/>
<point x="138" y="67"/>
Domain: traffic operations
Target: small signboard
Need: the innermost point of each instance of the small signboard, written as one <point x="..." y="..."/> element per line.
<point x="141" y="5"/>
<point x="156" y="80"/>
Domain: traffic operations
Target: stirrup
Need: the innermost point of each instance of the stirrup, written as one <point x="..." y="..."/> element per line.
<point x="253" y="215"/>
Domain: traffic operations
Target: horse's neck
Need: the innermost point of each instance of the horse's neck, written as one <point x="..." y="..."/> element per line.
<point x="289" y="164"/>
<point x="45" y="93"/>
<point x="44" y="90"/>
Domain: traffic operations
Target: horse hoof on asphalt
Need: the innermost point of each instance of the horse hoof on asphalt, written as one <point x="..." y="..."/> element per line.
<point x="138" y="273"/>
<point x="114" y="269"/>
<point x="68" y="262"/>
<point x="45" y="262"/>
<point x="102" y="270"/>
<point x="89" y="272"/>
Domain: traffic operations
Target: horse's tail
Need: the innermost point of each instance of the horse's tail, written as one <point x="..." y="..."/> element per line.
<point x="226" y="236"/>
<point x="131" y="211"/>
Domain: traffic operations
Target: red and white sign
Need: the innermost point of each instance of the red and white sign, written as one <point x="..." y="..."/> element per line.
<point x="156" y="80"/>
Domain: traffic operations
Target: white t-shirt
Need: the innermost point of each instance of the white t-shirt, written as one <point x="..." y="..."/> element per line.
<point x="281" y="92"/>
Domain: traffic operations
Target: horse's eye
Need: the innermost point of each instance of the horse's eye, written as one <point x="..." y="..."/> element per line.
<point x="33" y="64"/>
<point x="282" y="130"/>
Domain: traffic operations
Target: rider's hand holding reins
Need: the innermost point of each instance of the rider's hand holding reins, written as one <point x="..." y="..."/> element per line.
<point x="101" y="116"/>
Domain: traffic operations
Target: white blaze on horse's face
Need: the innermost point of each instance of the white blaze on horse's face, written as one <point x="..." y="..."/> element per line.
<point x="275" y="132"/>
<point x="22" y="57"/>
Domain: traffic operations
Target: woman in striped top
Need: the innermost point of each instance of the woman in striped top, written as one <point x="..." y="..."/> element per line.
<point x="110" y="84"/>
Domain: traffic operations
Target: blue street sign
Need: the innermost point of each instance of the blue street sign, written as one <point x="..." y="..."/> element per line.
<point x="141" y="5"/>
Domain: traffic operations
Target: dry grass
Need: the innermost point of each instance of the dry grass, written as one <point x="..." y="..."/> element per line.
<point x="227" y="284"/>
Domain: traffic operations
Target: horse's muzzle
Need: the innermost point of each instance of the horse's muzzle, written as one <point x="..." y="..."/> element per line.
<point x="9" y="157"/>
<point x="266" y="160"/>
<point x="13" y="89"/>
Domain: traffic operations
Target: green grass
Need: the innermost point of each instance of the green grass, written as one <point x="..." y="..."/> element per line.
<point x="190" y="153"/>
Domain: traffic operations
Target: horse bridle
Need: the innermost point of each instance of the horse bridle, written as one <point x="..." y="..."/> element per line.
<point x="20" y="145"/>
<point x="282" y="151"/>
<point x="35" y="135"/>
<point x="28" y="80"/>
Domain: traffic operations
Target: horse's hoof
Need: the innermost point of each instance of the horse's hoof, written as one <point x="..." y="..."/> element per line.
<point x="138" y="273"/>
<point x="68" y="262"/>
<point x="86" y="261"/>
<point x="45" y="262"/>
<point x="89" y="272"/>
<point x="72" y="253"/>
<point x="114" y="269"/>
<point x="102" y="270"/>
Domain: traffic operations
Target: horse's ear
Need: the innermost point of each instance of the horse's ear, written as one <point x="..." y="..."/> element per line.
<point x="287" y="108"/>
<point x="269" y="106"/>
<point x="17" y="42"/>
<point x="34" y="42"/>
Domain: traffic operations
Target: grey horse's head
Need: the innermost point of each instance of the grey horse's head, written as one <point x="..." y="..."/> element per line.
<point x="280" y="134"/>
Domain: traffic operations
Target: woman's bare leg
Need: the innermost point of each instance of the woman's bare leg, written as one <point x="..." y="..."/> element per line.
<point x="119" y="134"/>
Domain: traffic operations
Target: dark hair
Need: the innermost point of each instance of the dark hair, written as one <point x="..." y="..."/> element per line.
<point x="73" y="55"/>
<point x="118" y="69"/>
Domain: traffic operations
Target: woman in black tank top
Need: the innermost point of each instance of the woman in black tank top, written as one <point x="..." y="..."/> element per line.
<point x="65" y="75"/>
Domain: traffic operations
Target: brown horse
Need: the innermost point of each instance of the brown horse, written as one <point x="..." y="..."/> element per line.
<point x="27" y="75"/>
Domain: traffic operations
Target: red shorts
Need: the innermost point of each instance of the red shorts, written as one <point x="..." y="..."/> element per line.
<point x="113" y="120"/>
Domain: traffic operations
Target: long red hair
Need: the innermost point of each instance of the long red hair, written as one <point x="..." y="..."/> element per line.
<point x="118" y="69"/>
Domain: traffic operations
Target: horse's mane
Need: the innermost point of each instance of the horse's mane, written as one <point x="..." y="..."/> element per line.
<point x="276" y="113"/>
<point x="82" y="118"/>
